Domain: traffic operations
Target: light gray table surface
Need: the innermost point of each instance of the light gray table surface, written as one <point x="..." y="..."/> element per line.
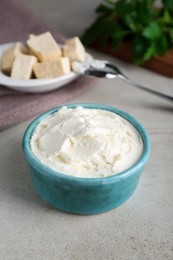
<point x="140" y="229"/>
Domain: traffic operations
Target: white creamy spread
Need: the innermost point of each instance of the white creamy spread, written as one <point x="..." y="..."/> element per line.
<point x="87" y="143"/>
<point x="81" y="67"/>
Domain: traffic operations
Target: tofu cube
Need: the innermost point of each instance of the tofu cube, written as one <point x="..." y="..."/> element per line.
<point x="52" y="69"/>
<point x="9" y="55"/>
<point x="31" y="36"/>
<point x="44" y="47"/>
<point x="22" y="66"/>
<point x="74" y="49"/>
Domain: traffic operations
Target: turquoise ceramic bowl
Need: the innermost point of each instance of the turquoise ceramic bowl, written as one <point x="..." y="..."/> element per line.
<point x="84" y="195"/>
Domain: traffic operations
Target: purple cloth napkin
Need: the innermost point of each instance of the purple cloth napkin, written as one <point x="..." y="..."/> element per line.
<point x="16" y="22"/>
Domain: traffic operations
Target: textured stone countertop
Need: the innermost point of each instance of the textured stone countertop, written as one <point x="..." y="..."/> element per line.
<point x="140" y="229"/>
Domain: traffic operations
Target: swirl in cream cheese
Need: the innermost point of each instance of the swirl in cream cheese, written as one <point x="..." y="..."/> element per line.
<point x="88" y="143"/>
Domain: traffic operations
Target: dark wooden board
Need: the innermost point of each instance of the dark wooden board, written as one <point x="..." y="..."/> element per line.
<point x="159" y="64"/>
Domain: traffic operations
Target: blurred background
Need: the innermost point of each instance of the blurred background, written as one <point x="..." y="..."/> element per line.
<point x="55" y="12"/>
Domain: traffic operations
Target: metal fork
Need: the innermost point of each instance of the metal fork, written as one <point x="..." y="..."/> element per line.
<point x="104" y="69"/>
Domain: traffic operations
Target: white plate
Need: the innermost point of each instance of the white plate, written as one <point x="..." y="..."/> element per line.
<point x="34" y="85"/>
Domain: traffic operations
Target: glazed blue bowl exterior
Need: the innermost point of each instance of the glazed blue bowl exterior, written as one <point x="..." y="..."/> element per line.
<point x="84" y="195"/>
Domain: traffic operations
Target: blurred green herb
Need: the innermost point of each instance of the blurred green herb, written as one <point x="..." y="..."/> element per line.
<point x="147" y="28"/>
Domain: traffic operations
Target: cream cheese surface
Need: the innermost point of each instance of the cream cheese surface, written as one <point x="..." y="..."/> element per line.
<point x="87" y="143"/>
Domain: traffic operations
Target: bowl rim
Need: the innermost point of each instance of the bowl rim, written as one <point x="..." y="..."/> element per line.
<point x="45" y="170"/>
